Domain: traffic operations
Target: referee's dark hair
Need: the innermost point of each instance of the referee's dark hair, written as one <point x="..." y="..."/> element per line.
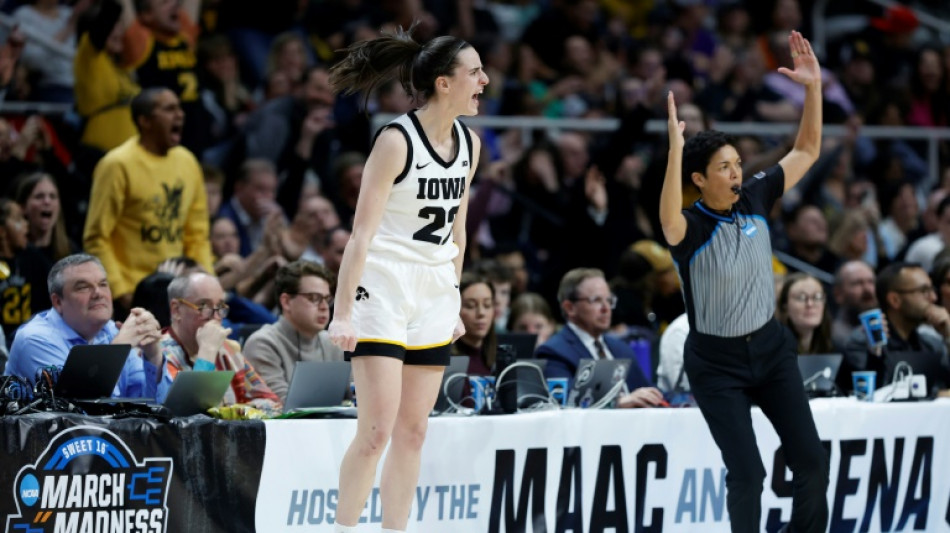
<point x="700" y="148"/>
<point x="888" y="280"/>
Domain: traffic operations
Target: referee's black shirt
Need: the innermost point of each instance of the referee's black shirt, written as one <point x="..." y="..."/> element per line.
<point x="725" y="262"/>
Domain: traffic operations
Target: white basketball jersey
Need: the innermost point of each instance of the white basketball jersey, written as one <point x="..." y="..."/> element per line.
<point x="419" y="214"/>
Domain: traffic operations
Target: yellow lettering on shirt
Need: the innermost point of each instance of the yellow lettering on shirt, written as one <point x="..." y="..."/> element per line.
<point x="176" y="59"/>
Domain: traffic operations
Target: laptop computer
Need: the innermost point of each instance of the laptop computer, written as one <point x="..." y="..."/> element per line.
<point x="595" y="379"/>
<point x="819" y="372"/>
<point x="91" y="372"/>
<point x="925" y="363"/>
<point x="317" y="384"/>
<point x="193" y="393"/>
<point x="523" y="343"/>
<point x="458" y="364"/>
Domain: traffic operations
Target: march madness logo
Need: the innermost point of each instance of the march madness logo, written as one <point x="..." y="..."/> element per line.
<point x="87" y="480"/>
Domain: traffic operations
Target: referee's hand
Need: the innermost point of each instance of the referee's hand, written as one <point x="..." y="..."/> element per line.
<point x="674" y="125"/>
<point x="342" y="334"/>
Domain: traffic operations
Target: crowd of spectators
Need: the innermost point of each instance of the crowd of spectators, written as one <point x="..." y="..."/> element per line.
<point x="165" y="95"/>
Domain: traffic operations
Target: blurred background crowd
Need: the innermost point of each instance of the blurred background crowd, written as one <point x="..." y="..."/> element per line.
<point x="576" y="184"/>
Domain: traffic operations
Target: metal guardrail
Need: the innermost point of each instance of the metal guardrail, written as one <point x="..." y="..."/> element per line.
<point x="932" y="136"/>
<point x="802" y="266"/>
<point x="525" y="124"/>
<point x="759" y="129"/>
<point x="34" y="108"/>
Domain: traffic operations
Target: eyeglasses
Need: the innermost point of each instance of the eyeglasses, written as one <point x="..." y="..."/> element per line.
<point x="610" y="301"/>
<point x="316" y="298"/>
<point x="923" y="290"/>
<point x="206" y="311"/>
<point x="802" y="298"/>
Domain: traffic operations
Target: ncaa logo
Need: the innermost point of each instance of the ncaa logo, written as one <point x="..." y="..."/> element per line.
<point x="29" y="490"/>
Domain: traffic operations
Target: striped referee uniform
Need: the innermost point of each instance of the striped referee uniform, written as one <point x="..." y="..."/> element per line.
<point x="737" y="354"/>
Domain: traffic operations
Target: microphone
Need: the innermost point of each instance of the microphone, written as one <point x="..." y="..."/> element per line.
<point x="813" y="380"/>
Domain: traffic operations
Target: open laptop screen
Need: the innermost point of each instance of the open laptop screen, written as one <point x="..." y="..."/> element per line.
<point x="594" y="380"/>
<point x="819" y="372"/>
<point x="523" y="343"/>
<point x="317" y="384"/>
<point x="194" y="392"/>
<point x="458" y="364"/>
<point x="91" y="371"/>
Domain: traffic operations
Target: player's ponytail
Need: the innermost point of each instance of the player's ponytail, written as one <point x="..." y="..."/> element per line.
<point x="369" y="64"/>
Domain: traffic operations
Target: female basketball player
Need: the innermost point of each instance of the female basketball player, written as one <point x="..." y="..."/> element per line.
<point x="397" y="299"/>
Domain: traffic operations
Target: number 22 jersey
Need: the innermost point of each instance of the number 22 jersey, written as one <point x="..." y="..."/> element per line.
<point x="425" y="198"/>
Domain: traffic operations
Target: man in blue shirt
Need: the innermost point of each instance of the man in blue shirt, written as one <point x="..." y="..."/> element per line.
<point x="82" y="314"/>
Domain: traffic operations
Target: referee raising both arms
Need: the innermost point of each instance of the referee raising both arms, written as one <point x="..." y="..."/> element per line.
<point x="736" y="353"/>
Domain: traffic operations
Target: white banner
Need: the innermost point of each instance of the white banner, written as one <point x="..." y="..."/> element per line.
<point x="650" y="470"/>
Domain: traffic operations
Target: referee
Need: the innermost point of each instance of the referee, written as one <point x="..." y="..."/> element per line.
<point x="736" y="353"/>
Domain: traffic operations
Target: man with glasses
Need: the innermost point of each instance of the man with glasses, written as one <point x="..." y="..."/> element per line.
<point x="197" y="341"/>
<point x="82" y="314"/>
<point x="915" y="323"/>
<point x="587" y="304"/>
<point x="304" y="290"/>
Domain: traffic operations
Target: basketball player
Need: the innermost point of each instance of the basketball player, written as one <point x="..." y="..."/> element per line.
<point x="397" y="299"/>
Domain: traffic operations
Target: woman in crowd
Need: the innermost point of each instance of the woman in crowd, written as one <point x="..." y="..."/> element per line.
<point x="23" y="271"/>
<point x="530" y="313"/>
<point x="286" y="63"/>
<point x="38" y="197"/>
<point x="802" y="307"/>
<point x="479" y="342"/>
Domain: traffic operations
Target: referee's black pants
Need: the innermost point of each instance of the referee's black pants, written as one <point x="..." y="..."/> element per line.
<point x="727" y="376"/>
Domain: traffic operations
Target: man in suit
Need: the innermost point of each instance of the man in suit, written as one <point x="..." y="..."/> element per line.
<point x="587" y="304"/>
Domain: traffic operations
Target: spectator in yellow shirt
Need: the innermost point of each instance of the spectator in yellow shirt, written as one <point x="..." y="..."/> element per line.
<point x="104" y="91"/>
<point x="148" y="199"/>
